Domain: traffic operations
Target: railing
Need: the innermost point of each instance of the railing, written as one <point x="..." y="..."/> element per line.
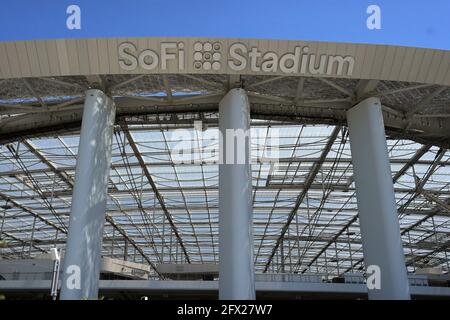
<point x="47" y="275"/>
<point x="289" y="277"/>
<point x="348" y="278"/>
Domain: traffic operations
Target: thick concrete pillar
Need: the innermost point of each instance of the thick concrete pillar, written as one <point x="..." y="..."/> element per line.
<point x="236" y="271"/>
<point x="87" y="217"/>
<point x="380" y="230"/>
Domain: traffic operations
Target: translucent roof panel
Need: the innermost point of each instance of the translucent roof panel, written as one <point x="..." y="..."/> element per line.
<point x="151" y="181"/>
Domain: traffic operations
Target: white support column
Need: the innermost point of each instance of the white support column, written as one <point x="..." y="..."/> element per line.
<point x="87" y="217"/>
<point x="380" y="230"/>
<point x="236" y="271"/>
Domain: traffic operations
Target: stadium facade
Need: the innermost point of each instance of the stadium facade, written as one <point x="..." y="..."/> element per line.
<point x="355" y="201"/>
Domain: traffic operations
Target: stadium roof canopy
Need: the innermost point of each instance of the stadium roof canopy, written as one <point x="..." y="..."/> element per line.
<point x="163" y="207"/>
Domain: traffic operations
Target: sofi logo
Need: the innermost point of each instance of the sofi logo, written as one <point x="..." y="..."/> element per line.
<point x="207" y="56"/>
<point x="130" y="59"/>
<point x="214" y="57"/>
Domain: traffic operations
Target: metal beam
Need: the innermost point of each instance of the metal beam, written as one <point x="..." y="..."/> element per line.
<point x="70" y="183"/>
<point x="166" y="83"/>
<point x="419" y="153"/>
<point x="423" y="130"/>
<point x="155" y="189"/>
<point x="337" y="87"/>
<point x="365" y="87"/>
<point x="61" y="174"/>
<point x="131" y="241"/>
<point x="299" y="91"/>
<point x="425" y="102"/>
<point x="30" y="211"/>
<point x="24" y="242"/>
<point x="309" y="180"/>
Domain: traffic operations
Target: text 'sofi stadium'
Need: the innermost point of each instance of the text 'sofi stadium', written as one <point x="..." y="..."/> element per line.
<point x="113" y="152"/>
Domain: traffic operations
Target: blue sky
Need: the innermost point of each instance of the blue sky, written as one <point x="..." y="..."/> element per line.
<point x="410" y="23"/>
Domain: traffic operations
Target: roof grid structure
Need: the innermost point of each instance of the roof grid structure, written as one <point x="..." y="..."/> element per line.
<point x="166" y="203"/>
<point x="322" y="237"/>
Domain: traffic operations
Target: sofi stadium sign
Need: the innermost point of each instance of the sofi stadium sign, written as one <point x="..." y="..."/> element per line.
<point x="217" y="57"/>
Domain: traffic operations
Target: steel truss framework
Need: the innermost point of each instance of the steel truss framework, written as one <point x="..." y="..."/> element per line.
<point x="163" y="207"/>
